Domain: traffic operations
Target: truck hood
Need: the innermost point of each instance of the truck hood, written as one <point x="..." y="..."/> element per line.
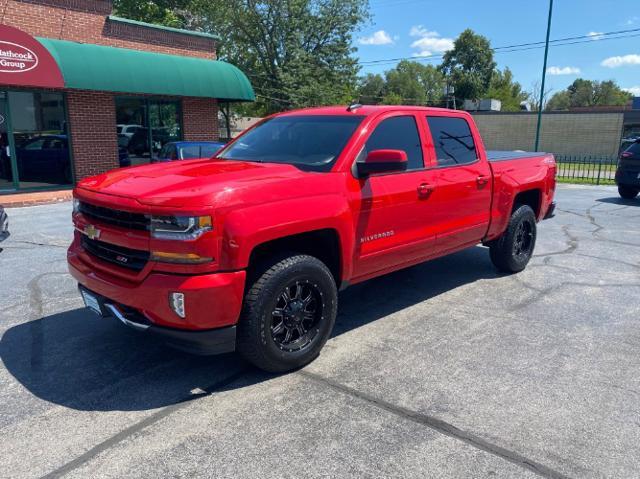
<point x="189" y="183"/>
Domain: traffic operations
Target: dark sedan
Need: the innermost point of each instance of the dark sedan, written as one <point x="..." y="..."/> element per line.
<point x="188" y="150"/>
<point x="46" y="157"/>
<point x="628" y="173"/>
<point x="4" y="225"/>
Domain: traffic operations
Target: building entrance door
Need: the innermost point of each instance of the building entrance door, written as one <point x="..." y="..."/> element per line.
<point x="6" y="169"/>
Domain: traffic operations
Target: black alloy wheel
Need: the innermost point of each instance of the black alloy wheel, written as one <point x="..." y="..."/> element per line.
<point x="296" y="316"/>
<point x="288" y="312"/>
<point x="511" y="252"/>
<point x="523" y="242"/>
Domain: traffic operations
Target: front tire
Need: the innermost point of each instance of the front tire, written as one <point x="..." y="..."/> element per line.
<point x="627" y="192"/>
<point x="288" y="314"/>
<point x="512" y="251"/>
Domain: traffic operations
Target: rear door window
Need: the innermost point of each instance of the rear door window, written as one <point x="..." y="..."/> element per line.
<point x="635" y="149"/>
<point x="190" y="152"/>
<point x="452" y="140"/>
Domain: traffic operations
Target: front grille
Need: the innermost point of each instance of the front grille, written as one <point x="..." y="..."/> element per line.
<point x="133" y="259"/>
<point x="123" y="219"/>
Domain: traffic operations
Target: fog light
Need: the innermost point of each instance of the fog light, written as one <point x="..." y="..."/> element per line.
<point x="176" y="301"/>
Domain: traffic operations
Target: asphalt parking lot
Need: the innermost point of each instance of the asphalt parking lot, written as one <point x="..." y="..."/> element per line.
<point x="446" y="369"/>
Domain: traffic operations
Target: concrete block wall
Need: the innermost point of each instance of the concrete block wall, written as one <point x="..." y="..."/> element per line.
<point x="562" y="133"/>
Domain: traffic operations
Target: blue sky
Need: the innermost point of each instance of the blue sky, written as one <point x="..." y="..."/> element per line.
<point x="425" y="29"/>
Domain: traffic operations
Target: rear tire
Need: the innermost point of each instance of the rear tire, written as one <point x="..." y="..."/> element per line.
<point x="288" y="313"/>
<point x="511" y="252"/>
<point x="628" y="192"/>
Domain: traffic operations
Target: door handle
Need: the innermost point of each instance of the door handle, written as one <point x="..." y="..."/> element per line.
<point x="482" y="181"/>
<point x="424" y="190"/>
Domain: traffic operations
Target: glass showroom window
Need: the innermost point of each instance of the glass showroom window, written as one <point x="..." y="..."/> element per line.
<point x="39" y="129"/>
<point x="145" y="125"/>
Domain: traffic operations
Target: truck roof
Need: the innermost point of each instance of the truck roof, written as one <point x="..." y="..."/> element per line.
<point x="364" y="110"/>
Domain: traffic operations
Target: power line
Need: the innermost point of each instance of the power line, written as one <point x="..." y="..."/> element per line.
<point x="266" y="92"/>
<point x="523" y="46"/>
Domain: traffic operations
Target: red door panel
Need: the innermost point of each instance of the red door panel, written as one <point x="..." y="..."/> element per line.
<point x="463" y="181"/>
<point x="464" y="196"/>
<point x="393" y="213"/>
<point x="394" y="221"/>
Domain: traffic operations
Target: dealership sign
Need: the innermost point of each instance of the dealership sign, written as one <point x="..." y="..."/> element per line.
<point x="24" y="61"/>
<point x="16" y="58"/>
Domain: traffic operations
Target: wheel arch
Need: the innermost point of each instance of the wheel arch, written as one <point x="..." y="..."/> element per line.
<point x="323" y="244"/>
<point x="531" y="197"/>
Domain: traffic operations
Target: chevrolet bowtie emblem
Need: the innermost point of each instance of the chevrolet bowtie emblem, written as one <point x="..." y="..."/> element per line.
<point x="92" y="232"/>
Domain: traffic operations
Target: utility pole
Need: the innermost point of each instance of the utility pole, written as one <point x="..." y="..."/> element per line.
<point x="544" y="76"/>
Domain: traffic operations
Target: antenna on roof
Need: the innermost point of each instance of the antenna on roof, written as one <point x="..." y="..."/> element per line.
<point x="354" y="107"/>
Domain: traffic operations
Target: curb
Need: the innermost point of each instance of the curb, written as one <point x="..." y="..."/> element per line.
<point x="33" y="199"/>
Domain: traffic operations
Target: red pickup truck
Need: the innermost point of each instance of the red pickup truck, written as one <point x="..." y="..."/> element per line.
<point x="247" y="251"/>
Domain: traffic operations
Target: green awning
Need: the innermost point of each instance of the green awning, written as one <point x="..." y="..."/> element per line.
<point x="87" y="66"/>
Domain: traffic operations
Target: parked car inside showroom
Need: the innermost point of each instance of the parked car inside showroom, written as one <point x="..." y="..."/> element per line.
<point x="127" y="130"/>
<point x="47" y="156"/>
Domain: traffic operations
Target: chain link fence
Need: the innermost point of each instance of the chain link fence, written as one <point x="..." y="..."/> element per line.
<point x="592" y="170"/>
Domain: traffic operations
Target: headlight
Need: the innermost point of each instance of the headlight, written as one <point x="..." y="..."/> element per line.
<point x="76" y="205"/>
<point x="180" y="227"/>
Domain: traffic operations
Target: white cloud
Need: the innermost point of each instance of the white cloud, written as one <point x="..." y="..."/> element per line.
<point x="429" y="42"/>
<point x="563" y="70"/>
<point x="378" y="38"/>
<point x="420" y="31"/>
<point x="632" y="20"/>
<point x="596" y="35"/>
<point x="634" y="90"/>
<point x="614" y="62"/>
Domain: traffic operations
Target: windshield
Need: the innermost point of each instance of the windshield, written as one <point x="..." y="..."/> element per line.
<point x="311" y="142"/>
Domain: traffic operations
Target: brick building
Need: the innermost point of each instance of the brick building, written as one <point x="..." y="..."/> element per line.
<point x="83" y="91"/>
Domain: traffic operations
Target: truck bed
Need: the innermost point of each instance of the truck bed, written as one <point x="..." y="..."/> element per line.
<point x="498" y="155"/>
<point x="515" y="171"/>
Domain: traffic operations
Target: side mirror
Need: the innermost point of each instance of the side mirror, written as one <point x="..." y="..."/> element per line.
<point x="382" y="161"/>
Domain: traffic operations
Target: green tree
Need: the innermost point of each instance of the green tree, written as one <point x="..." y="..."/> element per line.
<point x="297" y="53"/>
<point x="586" y="93"/>
<point x="371" y="89"/>
<point x="171" y="13"/>
<point x="409" y="83"/>
<point x="415" y="83"/>
<point x="505" y="89"/>
<point x="391" y="98"/>
<point x="469" y="66"/>
<point x="559" y="101"/>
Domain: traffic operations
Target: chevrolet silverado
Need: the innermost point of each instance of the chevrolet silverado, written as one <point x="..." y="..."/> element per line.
<point x="247" y="250"/>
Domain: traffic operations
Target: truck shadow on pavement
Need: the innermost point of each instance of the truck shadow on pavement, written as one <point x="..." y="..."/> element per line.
<point x="80" y="361"/>
<point x="616" y="200"/>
